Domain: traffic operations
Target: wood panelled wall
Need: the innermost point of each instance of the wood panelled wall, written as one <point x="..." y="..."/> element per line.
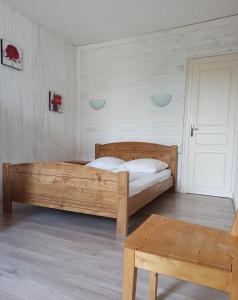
<point x="28" y="131"/>
<point x="127" y="72"/>
<point x="236" y="170"/>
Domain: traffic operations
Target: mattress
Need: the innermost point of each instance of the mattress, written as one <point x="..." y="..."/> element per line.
<point x="142" y="181"/>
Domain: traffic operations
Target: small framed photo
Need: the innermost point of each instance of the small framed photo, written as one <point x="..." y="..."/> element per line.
<point x="55" y="102"/>
<point x="11" y="55"/>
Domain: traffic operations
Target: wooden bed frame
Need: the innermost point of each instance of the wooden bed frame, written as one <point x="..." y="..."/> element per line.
<point x="78" y="188"/>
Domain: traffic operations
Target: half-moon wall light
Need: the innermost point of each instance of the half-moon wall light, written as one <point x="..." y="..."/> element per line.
<point x="97" y="104"/>
<point x="161" y="100"/>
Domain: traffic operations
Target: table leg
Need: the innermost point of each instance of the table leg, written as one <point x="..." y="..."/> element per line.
<point x="130" y="275"/>
<point x="153" y="285"/>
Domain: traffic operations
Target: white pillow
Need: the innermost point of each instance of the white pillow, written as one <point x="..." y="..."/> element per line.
<point x="144" y="165"/>
<point x="106" y="163"/>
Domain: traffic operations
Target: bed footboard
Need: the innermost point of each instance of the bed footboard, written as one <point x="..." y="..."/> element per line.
<point x="68" y="187"/>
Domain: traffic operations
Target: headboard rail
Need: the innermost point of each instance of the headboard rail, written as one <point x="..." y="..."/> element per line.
<point x="136" y="150"/>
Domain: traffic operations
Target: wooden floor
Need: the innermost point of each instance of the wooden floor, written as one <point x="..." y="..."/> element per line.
<point x="49" y="254"/>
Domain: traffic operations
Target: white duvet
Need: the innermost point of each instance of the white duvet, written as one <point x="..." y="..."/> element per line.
<point x="139" y="182"/>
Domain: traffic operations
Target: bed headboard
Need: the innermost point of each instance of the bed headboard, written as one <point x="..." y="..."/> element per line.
<point x="135" y="150"/>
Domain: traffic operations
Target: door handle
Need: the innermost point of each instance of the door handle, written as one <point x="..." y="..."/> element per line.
<point x="192" y="130"/>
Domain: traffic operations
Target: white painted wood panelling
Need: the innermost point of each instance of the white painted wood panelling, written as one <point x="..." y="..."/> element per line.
<point x="236" y="167"/>
<point x="236" y="188"/>
<point x="29" y="132"/>
<point x="127" y="72"/>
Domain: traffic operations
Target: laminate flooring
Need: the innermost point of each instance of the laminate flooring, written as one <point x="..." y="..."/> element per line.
<point x="54" y="255"/>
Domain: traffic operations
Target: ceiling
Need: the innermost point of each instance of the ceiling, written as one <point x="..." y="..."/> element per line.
<point x="91" y="21"/>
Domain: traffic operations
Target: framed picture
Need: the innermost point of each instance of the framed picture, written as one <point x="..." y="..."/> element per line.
<point x="55" y="102"/>
<point x="11" y="55"/>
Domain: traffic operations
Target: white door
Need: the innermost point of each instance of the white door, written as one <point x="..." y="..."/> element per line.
<point x="212" y="97"/>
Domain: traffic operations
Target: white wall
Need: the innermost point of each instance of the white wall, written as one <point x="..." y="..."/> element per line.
<point x="236" y="167"/>
<point x="29" y="132"/>
<point x="127" y="72"/>
<point x="236" y="188"/>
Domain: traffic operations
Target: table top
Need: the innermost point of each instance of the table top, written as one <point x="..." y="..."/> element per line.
<point x="184" y="241"/>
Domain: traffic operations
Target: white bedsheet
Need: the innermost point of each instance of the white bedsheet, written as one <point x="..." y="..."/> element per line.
<point x="142" y="181"/>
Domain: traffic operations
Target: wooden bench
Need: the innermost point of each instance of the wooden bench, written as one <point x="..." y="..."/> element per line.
<point x="182" y="250"/>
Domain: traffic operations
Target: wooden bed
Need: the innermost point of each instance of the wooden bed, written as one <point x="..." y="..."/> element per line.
<point x="78" y="188"/>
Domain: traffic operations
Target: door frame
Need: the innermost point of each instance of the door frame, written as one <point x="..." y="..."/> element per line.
<point x="187" y="119"/>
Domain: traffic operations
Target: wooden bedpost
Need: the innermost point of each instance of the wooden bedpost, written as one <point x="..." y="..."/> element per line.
<point x="174" y="165"/>
<point x="7" y="203"/>
<point x="97" y="151"/>
<point x="234" y="230"/>
<point x="123" y="214"/>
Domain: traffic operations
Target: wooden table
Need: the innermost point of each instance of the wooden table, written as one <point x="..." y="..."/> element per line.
<point x="186" y="251"/>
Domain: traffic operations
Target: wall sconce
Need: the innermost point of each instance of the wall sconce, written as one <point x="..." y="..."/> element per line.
<point x="97" y="104"/>
<point x="161" y="100"/>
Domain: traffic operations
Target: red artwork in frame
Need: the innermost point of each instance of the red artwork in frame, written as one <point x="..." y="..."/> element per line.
<point x="55" y="102"/>
<point x="11" y="55"/>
